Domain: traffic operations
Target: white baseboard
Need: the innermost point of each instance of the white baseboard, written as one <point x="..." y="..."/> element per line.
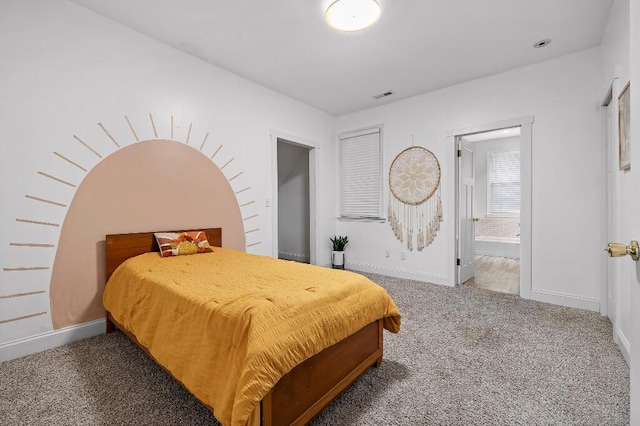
<point x="546" y="296"/>
<point x="50" y="339"/>
<point x="298" y="257"/>
<point x="623" y="344"/>
<point x="563" y="299"/>
<point x="399" y="273"/>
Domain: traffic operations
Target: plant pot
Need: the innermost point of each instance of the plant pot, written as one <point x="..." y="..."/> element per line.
<point x="337" y="259"/>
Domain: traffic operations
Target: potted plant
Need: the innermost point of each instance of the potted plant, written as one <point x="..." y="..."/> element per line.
<point x="337" y="256"/>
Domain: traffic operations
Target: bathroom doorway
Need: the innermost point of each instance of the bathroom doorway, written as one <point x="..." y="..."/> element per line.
<point x="493" y="225"/>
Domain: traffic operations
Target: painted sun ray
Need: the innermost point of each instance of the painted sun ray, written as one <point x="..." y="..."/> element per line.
<point x="70" y="161"/>
<point x="135" y="135"/>
<point x="243" y="190"/>
<point x="227" y="163"/>
<point x="37" y="222"/>
<point x="250" y="217"/>
<point x="31" y="293"/>
<point x="188" y="134"/>
<point x="204" y="140"/>
<point x="108" y="134"/>
<point x="87" y="146"/>
<point x="232" y="178"/>
<point x="22" y="318"/>
<point x="217" y="150"/>
<point x="247" y="203"/>
<point x="153" y="126"/>
<point x="25" y="268"/>
<point x="56" y="179"/>
<point x="254" y="244"/>
<point x="41" y="245"/>
<point x="252" y="230"/>
<point x="44" y="200"/>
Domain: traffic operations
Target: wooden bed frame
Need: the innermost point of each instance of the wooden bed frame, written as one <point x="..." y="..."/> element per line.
<point x="307" y="389"/>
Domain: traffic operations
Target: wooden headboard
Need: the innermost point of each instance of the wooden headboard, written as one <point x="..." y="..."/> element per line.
<point x="121" y="247"/>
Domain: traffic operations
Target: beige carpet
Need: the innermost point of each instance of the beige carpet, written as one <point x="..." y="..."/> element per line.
<point x="464" y="356"/>
<point x="497" y="274"/>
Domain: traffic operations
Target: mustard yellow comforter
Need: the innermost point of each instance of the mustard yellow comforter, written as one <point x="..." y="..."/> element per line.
<point x="229" y="325"/>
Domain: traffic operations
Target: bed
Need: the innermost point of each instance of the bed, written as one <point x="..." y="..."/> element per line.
<point x="293" y="394"/>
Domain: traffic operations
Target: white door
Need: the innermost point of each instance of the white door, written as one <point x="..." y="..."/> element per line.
<point x="466" y="229"/>
<point x="622" y="197"/>
<point x="633" y="198"/>
<point x="630" y="197"/>
<point x="622" y="297"/>
<point x="634" y="208"/>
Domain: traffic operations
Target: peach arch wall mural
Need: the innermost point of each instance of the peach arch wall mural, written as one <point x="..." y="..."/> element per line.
<point x="140" y="185"/>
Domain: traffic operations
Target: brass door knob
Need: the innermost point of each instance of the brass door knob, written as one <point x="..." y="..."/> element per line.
<point x="476" y="219"/>
<point x="618" y="250"/>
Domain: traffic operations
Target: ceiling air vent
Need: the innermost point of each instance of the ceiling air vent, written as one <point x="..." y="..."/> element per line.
<point x="542" y="43"/>
<point x="383" y="95"/>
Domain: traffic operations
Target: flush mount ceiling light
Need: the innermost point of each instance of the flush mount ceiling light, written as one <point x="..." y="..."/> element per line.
<point x="352" y="15"/>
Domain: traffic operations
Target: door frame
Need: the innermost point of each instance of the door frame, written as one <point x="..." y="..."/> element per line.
<point x="525" y="123"/>
<point x="314" y="159"/>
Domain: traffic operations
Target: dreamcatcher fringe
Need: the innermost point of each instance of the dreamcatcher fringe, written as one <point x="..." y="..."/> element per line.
<point x="405" y="218"/>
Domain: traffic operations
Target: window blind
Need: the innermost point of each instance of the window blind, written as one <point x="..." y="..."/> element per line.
<point x="361" y="172"/>
<point x="504" y="182"/>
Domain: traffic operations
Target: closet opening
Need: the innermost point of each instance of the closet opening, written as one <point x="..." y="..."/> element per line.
<point x="293" y="201"/>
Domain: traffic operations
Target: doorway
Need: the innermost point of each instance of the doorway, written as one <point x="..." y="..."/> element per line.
<point x="505" y="248"/>
<point x="493" y="262"/>
<point x="294" y="195"/>
<point x="293" y="202"/>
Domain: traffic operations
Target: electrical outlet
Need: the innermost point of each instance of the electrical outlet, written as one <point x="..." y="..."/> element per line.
<point x="403" y="255"/>
<point x="386" y="253"/>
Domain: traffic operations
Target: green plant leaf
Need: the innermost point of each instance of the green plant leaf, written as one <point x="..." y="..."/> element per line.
<point x="339" y="242"/>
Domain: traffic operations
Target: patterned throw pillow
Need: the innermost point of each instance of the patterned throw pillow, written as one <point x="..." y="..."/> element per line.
<point x="177" y="244"/>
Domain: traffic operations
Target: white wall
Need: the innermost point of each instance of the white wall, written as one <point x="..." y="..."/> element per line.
<point x="63" y="70"/>
<point x="563" y="96"/>
<point x="293" y="202"/>
<point x="615" y="45"/>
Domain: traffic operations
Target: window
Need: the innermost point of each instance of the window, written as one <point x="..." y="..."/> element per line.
<point x="361" y="174"/>
<point x="504" y="183"/>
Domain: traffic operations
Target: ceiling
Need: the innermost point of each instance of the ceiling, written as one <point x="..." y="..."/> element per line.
<point x="417" y="45"/>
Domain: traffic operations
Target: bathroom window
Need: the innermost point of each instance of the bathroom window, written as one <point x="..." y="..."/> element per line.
<point x="503" y="190"/>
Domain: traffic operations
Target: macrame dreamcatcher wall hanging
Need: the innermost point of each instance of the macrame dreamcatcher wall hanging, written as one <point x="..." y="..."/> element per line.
<point x="415" y="205"/>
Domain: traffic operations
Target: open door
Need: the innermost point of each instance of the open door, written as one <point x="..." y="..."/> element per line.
<point x="616" y="297"/>
<point x="635" y="207"/>
<point x="627" y="285"/>
<point x="466" y="231"/>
